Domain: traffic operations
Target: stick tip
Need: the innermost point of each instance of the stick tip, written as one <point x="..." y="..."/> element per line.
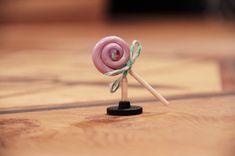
<point x="166" y="103"/>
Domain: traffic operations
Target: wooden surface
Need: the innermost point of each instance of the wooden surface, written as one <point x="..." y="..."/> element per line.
<point x="53" y="101"/>
<point x="197" y="126"/>
<point x="64" y="77"/>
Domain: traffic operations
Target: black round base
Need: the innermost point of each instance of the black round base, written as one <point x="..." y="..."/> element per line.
<point x="124" y="108"/>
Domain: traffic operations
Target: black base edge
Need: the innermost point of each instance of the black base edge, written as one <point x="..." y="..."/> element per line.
<point x="124" y="109"/>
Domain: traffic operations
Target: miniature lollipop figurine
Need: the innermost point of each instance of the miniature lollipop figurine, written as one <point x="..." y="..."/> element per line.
<point x="112" y="56"/>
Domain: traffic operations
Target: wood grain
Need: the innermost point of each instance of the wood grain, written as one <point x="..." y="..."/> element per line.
<point x="37" y="78"/>
<point x="203" y="126"/>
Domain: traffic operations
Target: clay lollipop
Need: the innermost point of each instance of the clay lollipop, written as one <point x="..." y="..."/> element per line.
<point x="112" y="56"/>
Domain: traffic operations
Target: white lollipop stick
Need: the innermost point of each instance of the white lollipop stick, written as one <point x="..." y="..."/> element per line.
<point x="148" y="87"/>
<point x="124" y="84"/>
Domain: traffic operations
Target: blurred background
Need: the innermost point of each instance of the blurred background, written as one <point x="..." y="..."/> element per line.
<point x="55" y="39"/>
<point x="37" y="23"/>
<point x="81" y="10"/>
<point x="173" y="16"/>
<point x="45" y="64"/>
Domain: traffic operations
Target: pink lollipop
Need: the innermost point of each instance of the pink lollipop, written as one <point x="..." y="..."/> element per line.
<point x="112" y="56"/>
<point x="110" y="53"/>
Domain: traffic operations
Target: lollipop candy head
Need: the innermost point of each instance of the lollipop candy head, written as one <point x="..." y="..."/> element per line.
<point x="110" y="53"/>
<point x="112" y="56"/>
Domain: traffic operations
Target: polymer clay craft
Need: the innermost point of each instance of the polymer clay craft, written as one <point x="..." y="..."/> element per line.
<point x="112" y="56"/>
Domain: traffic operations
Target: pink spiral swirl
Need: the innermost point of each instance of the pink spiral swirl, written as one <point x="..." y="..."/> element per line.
<point x="110" y="53"/>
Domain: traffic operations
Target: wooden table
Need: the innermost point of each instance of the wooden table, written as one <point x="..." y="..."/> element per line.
<point x="53" y="101"/>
